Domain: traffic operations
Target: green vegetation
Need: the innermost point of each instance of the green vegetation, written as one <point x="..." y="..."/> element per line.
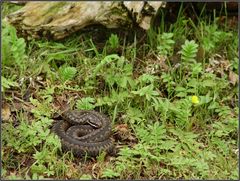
<point x="172" y="101"/>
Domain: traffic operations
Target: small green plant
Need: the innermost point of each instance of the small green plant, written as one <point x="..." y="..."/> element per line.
<point x="7" y="83"/>
<point x="86" y="103"/>
<point x="114" y="98"/>
<point x="67" y="73"/>
<point x="145" y="79"/>
<point x="13" y="49"/>
<point x="189" y="51"/>
<point x="109" y="173"/>
<point x="169" y="83"/>
<point x="26" y="137"/>
<point x="113" y="41"/>
<point x="165" y="44"/>
<point x="116" y="71"/>
<point x="182" y="112"/>
<point x="86" y="177"/>
<point x="213" y="38"/>
<point x="147" y="91"/>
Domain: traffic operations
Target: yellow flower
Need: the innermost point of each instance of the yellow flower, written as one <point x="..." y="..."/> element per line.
<point x="195" y="100"/>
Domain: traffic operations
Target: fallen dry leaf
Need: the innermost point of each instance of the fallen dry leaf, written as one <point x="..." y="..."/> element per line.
<point x="6" y="112"/>
<point x="220" y="66"/>
<point x="71" y="171"/>
<point x="17" y="106"/>
<point x="124" y="133"/>
<point x="122" y="128"/>
<point x="233" y="77"/>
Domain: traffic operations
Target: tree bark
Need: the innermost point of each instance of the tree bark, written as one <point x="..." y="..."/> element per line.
<point x="60" y="19"/>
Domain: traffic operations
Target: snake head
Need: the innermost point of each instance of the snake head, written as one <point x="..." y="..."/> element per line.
<point x="96" y="123"/>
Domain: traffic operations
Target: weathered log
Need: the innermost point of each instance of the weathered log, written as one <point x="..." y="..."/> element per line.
<point x="60" y="19"/>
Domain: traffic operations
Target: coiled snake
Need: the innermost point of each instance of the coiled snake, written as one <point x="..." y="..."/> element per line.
<point x="84" y="132"/>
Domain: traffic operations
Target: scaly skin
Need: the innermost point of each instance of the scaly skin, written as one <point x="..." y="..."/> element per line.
<point x="80" y="138"/>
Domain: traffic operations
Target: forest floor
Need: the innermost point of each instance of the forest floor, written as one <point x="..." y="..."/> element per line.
<point x="171" y="94"/>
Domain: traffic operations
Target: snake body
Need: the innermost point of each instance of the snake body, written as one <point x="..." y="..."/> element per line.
<point x="84" y="132"/>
